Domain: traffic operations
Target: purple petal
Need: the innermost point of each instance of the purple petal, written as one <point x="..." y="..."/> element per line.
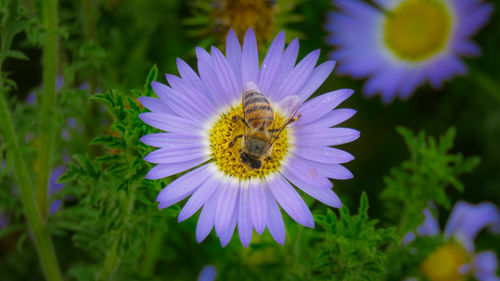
<point x="485" y="262"/>
<point x="485" y="266"/>
<point x="225" y="207"/>
<point x="443" y="69"/>
<point x="474" y="18"/>
<point x="334" y="171"/>
<point x="199" y="198"/>
<point x="308" y="174"/>
<point x="324" y="195"/>
<point x="250" y="58"/>
<point x="285" y="66"/>
<point x="226" y="76"/>
<point x="295" y="80"/>
<point x="466" y="48"/>
<point x="54" y="176"/>
<point x="291" y="201"/>
<point x="244" y="224"/>
<point x="327" y="155"/>
<point x="257" y="206"/>
<point x="330" y="119"/>
<point x="54" y="206"/>
<point x="206" y="70"/>
<point x="467" y="220"/>
<point x="208" y="273"/>
<point x="155" y="105"/>
<point x="169" y="155"/>
<point x="274" y="220"/>
<point x="165" y="170"/>
<point x="191" y="96"/>
<point x="177" y="102"/>
<point x="185" y="185"/>
<point x="190" y="77"/>
<point x="227" y="233"/>
<point x="316" y="108"/>
<point x="326" y="137"/>
<point x="271" y="63"/>
<point x="408" y="238"/>
<point x="386" y="82"/>
<point x="317" y="77"/>
<point x="430" y="227"/>
<point x="233" y="53"/>
<point x="170" y="123"/>
<point x="170" y="139"/>
<point x="207" y="216"/>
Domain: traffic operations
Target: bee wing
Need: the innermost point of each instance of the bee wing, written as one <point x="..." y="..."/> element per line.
<point x="290" y="105"/>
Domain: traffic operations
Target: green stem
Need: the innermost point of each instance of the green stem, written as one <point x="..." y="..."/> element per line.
<point x="40" y="232"/>
<point x="41" y="235"/>
<point x="48" y="102"/>
<point x="153" y="250"/>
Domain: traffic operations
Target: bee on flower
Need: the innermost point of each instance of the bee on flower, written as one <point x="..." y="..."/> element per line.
<point x="248" y="136"/>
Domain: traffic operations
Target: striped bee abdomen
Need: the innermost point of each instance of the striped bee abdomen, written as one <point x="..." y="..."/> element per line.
<point x="258" y="111"/>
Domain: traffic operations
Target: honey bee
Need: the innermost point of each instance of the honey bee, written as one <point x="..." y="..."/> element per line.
<point x="258" y="116"/>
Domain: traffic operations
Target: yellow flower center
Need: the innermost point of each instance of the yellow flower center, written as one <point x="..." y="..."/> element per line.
<point x="242" y="14"/>
<point x="228" y="158"/>
<point x="444" y="263"/>
<point x="417" y="29"/>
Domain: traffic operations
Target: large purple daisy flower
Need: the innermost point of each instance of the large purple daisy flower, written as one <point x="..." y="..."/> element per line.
<point x="197" y="112"/>
<point x="401" y="44"/>
<point x="457" y="258"/>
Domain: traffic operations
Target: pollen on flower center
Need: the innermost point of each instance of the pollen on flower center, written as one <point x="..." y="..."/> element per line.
<point x="444" y="263"/>
<point x="227" y="158"/>
<point x="417" y="29"/>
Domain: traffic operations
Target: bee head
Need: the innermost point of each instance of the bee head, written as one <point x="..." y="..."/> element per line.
<point x="250" y="162"/>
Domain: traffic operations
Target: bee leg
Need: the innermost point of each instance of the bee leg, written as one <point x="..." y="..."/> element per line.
<point x="234" y="140"/>
<point x="237" y="118"/>
<point x="295" y="119"/>
<point x="269" y="158"/>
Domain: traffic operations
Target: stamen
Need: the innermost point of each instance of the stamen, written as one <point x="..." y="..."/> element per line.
<point x="227" y="157"/>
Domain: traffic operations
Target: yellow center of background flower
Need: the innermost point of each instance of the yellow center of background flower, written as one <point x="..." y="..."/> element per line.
<point x="444" y="263"/>
<point x="417" y="29"/>
<point x="242" y="14"/>
<point x="228" y="158"/>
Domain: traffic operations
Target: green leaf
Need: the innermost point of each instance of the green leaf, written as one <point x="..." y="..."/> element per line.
<point x="17" y="55"/>
<point x="424" y="178"/>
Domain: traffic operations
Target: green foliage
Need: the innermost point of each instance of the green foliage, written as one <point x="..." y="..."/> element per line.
<point x="116" y="213"/>
<point x="352" y="247"/>
<point x="424" y="177"/>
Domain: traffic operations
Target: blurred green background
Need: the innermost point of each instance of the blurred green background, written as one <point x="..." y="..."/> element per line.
<point x="113" y="44"/>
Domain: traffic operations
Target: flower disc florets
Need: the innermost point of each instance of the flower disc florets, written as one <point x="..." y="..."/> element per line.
<point x="228" y="159"/>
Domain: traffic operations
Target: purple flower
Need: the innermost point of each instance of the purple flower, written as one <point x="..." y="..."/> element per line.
<point x="401" y="44"/>
<point x="31" y="98"/>
<point x="208" y="273"/>
<point x="457" y="258"/>
<point x="54" y="187"/>
<point x="198" y="113"/>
